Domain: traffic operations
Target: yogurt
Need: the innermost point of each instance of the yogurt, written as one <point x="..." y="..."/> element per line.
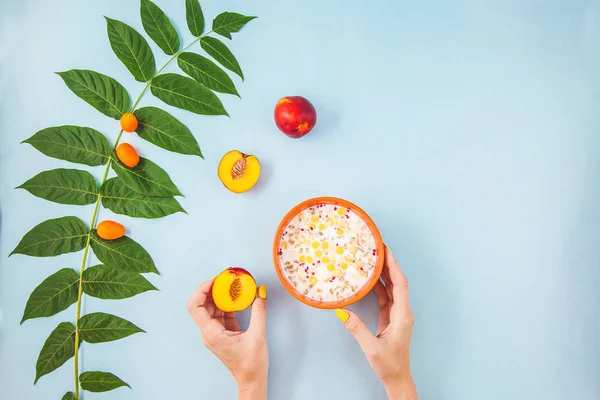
<point x="327" y="252"/>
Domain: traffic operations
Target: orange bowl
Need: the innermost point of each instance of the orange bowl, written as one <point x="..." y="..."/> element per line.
<point x="359" y="294"/>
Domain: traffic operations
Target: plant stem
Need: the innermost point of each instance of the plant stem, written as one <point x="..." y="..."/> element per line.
<point x="135" y="103"/>
<point x="97" y="208"/>
<point x="80" y="289"/>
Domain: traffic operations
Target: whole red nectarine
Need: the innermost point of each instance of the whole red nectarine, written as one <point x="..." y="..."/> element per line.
<point x="295" y="116"/>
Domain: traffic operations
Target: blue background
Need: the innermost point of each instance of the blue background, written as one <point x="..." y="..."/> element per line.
<point x="468" y="130"/>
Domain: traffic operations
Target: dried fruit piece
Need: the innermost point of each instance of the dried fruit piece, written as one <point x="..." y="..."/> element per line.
<point x="129" y="122"/>
<point x="110" y="230"/>
<point x="127" y="154"/>
<point x="239" y="172"/>
<point x="234" y="290"/>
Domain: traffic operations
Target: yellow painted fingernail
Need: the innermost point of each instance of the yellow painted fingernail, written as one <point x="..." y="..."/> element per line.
<point x="342" y="315"/>
<point x="388" y="249"/>
<point x="262" y="291"/>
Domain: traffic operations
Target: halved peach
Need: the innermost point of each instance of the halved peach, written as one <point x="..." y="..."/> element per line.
<point x="238" y="171"/>
<point x="234" y="290"/>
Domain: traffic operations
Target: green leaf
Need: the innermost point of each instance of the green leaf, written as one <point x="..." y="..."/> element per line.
<point x="100" y="327"/>
<point x="185" y="93"/>
<point x="106" y="282"/>
<point x="53" y="237"/>
<point x="159" y="28"/>
<point x="132" y="49"/>
<point x="72" y="143"/>
<point x="64" y="186"/>
<point x="94" y="381"/>
<point x="69" y="396"/>
<point x="55" y="294"/>
<point x="206" y="72"/>
<point x="228" y="22"/>
<point x="124" y="253"/>
<point x="194" y="17"/>
<point x="100" y="91"/>
<point x="162" y="129"/>
<point x="220" y="52"/>
<point x="58" y="349"/>
<point x="121" y="199"/>
<point x="146" y="178"/>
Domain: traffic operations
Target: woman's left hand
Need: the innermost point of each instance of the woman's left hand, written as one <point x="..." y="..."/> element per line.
<point x="245" y="354"/>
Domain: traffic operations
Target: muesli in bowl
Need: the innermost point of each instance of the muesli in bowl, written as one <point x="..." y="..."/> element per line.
<point x="328" y="252"/>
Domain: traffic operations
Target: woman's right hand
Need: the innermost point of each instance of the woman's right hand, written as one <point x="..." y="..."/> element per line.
<point x="388" y="352"/>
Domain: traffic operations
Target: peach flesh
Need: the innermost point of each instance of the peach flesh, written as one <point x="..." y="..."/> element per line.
<point x="234" y="290"/>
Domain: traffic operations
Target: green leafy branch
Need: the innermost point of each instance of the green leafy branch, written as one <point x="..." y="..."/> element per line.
<point x="143" y="191"/>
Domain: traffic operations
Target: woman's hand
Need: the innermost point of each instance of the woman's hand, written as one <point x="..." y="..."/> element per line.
<point x="245" y="354"/>
<point x="389" y="351"/>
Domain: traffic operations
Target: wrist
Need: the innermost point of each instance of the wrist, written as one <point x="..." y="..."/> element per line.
<point x="402" y="388"/>
<point x="253" y="390"/>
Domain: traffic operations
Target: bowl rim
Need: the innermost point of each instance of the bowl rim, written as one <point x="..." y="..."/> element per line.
<point x="367" y="287"/>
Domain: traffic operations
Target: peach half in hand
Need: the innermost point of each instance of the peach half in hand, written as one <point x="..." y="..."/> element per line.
<point x="234" y="290"/>
<point x="238" y="171"/>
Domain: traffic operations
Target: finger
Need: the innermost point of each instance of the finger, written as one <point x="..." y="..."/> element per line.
<point x="384" y="319"/>
<point x="219" y="316"/>
<point x="400" y="313"/>
<point x="388" y="286"/>
<point x="196" y="304"/>
<point x="200" y="306"/>
<point x="385" y="276"/>
<point x="393" y="270"/>
<point x="202" y="294"/>
<point x="357" y="328"/>
<point x="214" y="312"/>
<point x="384" y="309"/>
<point x="382" y="296"/>
<point x="258" y="318"/>
<point x="211" y="308"/>
<point x="231" y="322"/>
<point x="398" y="281"/>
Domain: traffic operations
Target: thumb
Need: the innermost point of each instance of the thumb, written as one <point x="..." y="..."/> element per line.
<point x="258" y="318"/>
<point x="356" y="327"/>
